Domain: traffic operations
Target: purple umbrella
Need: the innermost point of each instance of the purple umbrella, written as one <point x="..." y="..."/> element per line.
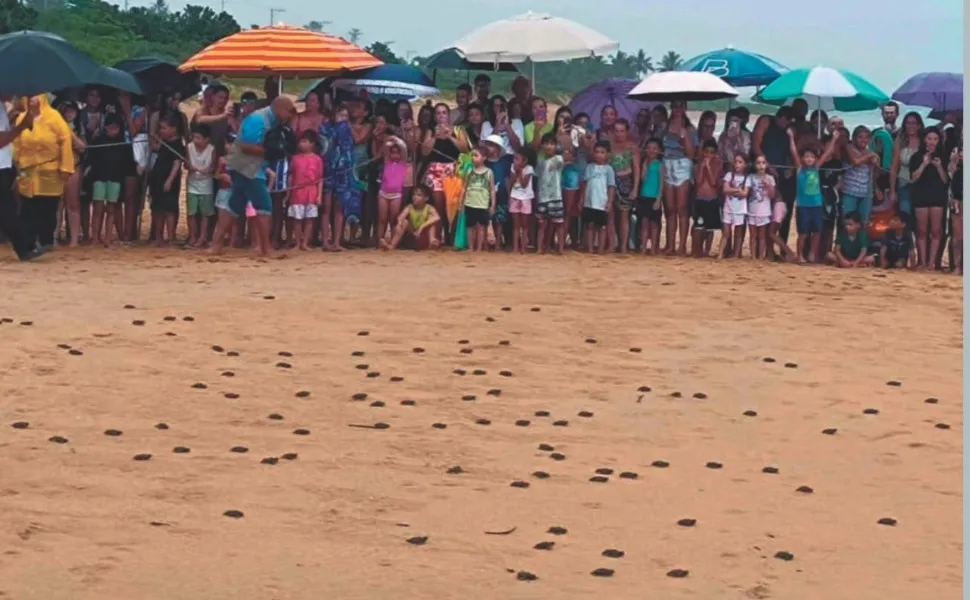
<point x="609" y="92"/>
<point x="936" y="91"/>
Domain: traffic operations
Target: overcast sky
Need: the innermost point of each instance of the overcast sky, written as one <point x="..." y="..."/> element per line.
<point x="885" y="41"/>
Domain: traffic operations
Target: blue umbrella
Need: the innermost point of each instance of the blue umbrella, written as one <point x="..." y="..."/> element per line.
<point x="452" y="58"/>
<point x="736" y="67"/>
<point x="385" y="81"/>
<point x="936" y="91"/>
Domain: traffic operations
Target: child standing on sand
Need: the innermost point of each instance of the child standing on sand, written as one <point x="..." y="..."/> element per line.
<point x="165" y="180"/>
<point x="500" y="164"/>
<point x="650" y="202"/>
<point x="109" y="159"/>
<point x="736" y="188"/>
<point x="306" y="188"/>
<point x="200" y="204"/>
<point x="521" y="195"/>
<point x="550" y="211"/>
<point x="597" y="191"/>
<point x="759" y="208"/>
<point x="394" y="173"/>
<point x="707" y="205"/>
<point x="478" y="201"/>
<point x="808" y="195"/>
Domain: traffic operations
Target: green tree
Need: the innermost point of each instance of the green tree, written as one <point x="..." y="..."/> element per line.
<point x="316" y="26"/>
<point x="644" y="63"/>
<point x="382" y="50"/>
<point x="354" y="35"/>
<point x="670" y="61"/>
<point x="15" y="16"/>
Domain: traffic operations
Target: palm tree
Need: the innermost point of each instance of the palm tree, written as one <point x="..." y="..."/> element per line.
<point x="317" y="25"/>
<point x="670" y="61"/>
<point x="354" y="35"/>
<point x="643" y="63"/>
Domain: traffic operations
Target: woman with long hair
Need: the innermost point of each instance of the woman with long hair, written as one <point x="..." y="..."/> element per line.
<point x="501" y="122"/>
<point x="442" y="146"/>
<point x="678" y="171"/>
<point x="625" y="160"/>
<point x="929" y="195"/>
<point x="906" y="144"/>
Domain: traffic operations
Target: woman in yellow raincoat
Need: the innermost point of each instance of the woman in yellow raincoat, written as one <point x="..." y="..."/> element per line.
<point x="45" y="160"/>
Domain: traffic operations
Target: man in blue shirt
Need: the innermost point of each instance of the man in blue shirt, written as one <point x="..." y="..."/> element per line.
<point x="247" y="168"/>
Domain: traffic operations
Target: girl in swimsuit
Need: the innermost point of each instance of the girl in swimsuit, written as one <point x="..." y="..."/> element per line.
<point x="625" y="160"/>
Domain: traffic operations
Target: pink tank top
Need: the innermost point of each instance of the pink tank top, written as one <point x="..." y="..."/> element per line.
<point x="392" y="180"/>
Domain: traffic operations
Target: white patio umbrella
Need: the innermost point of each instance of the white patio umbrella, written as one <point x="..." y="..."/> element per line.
<point x="534" y="37"/>
<point x="682" y="85"/>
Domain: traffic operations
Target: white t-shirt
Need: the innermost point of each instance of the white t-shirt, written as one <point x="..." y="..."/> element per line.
<point x="736" y="205"/>
<point x="6" y="153"/>
<point x="200" y="183"/>
<point x="523" y="193"/>
<point x="759" y="205"/>
<point x="515" y="125"/>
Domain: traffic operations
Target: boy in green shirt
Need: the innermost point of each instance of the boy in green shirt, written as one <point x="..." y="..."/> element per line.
<point x="851" y="245"/>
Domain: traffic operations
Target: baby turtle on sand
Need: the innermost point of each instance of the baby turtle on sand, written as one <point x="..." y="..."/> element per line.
<point x="590" y="341"/>
<point x="791" y="365"/>
<point x="519" y="484"/>
<point x="439" y="425"/>
<point x="20" y="425"/>
<point x="455" y="470"/>
<point x="138" y="323"/>
<point x="870" y="411"/>
<point x="942" y="426"/>
<point x="188" y="319"/>
<point x="556" y="530"/>
<point x="560" y="423"/>
<point x="660" y="464"/>
<point x="408" y="402"/>
<point x="544" y="546"/>
<point x="269" y="297"/>
<point x="506" y="308"/>
<point x="830" y="431"/>
<point x="643" y="389"/>
<point x="301" y="432"/>
<point x="804" y="489"/>
<point x="290" y="456"/>
<point x="479" y="372"/>
<point x="9" y="320"/>
<point x="228" y="374"/>
<point x="418" y="540"/>
<point x="604" y="471"/>
<point x="494" y="392"/>
<point x="112" y="432"/>
<point x="377" y="404"/>
<point x="585" y="414"/>
<point x="417" y="350"/>
<point x="359" y="397"/>
<point x="459" y="371"/>
<point x="557" y="456"/>
<point x="505" y="373"/>
<point x="199" y="386"/>
<point x="504" y="343"/>
<point x="540" y="475"/>
<point x="526" y="576"/>
<point x="142" y="457"/>
<point x="676" y="395"/>
<point x="397" y="379"/>
<point x="602" y="572"/>
<point x="274" y="417"/>
<point x="750" y="413"/>
<point x="522" y="423"/>
<point x="613" y="553"/>
<point x="218" y="349"/>
<point x="490" y="319"/>
<point x="231" y="396"/>
<point x="770" y="470"/>
<point x="161" y="426"/>
<point x="535" y="309"/>
<point x="284" y="354"/>
<point x="283" y="365"/>
<point x="239" y="449"/>
<point x="363" y="333"/>
<point x="628" y="475"/>
<point x="64" y="346"/>
<point x="541" y="413"/>
<point x="169" y="318"/>
<point x="636" y="350"/>
<point x="931" y="401"/>
<point x="233" y="514"/>
<point x="700" y="395"/>
<point x="887" y="521"/>
<point x="768" y="359"/>
<point x="894" y="383"/>
<point x="546" y="447"/>
<point x="57" y="439"/>
<point x="357" y="353"/>
<point x="482" y="422"/>
<point x="26" y="323"/>
<point x="714" y="465"/>
<point x="302" y="394"/>
<point x="129" y="306"/>
<point x="463" y="342"/>
<point x="232" y="353"/>
<point x="181" y="450"/>
<point x="782" y="555"/>
<point x="687" y="522"/>
<point x="466" y="350"/>
<point x="599" y="479"/>
<point x="269" y="460"/>
<point x="468" y="398"/>
<point x="678" y="573"/>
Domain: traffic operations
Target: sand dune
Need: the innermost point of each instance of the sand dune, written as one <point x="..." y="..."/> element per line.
<point x="82" y="519"/>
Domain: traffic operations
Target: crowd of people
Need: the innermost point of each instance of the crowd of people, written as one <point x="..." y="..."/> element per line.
<point x="492" y="173"/>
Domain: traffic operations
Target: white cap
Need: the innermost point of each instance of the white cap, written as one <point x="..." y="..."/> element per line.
<point x="495" y="139"/>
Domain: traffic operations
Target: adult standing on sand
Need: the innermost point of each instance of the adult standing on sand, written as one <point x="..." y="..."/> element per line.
<point x="215" y="113"/>
<point x="247" y="166"/>
<point x="10" y="223"/>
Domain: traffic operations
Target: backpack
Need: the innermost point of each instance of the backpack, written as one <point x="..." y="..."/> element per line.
<point x="279" y="143"/>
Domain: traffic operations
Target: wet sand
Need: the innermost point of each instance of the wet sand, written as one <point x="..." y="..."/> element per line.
<point x="83" y="519"/>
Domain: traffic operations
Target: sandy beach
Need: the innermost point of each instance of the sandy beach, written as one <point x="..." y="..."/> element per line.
<point x="638" y="360"/>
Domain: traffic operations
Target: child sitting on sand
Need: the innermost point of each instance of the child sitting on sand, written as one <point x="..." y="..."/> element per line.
<point x="897" y="251"/>
<point x="597" y="191"/>
<point x="417" y="223"/>
<point x="851" y="244"/>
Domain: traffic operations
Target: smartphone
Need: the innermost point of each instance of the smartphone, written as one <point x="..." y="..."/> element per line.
<point x="236" y="109"/>
<point x="541" y="115"/>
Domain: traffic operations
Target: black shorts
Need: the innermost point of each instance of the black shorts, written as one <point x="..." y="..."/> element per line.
<point x="476" y="216"/>
<point x="596" y="218"/>
<point x="162" y="201"/>
<point x="707" y="214"/>
<point x="645" y="210"/>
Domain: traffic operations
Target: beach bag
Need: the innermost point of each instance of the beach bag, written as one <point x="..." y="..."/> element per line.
<point x="279" y="143"/>
<point x="461" y="232"/>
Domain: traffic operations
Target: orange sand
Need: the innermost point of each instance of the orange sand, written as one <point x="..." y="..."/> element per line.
<point x="76" y="518"/>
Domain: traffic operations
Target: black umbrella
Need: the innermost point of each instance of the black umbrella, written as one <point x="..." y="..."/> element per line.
<point x="33" y="62"/>
<point x="159" y="76"/>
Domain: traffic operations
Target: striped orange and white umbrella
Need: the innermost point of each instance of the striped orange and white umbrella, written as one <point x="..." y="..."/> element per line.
<point x="280" y="50"/>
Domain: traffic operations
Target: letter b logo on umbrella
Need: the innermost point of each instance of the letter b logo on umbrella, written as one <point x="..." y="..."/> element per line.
<point x="717" y="67"/>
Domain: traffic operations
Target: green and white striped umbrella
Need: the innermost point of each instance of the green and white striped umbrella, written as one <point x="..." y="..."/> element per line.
<point x="824" y="88"/>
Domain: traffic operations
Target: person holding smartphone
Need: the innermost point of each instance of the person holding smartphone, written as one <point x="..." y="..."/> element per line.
<point x="538" y="128"/>
<point x="501" y="123"/>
